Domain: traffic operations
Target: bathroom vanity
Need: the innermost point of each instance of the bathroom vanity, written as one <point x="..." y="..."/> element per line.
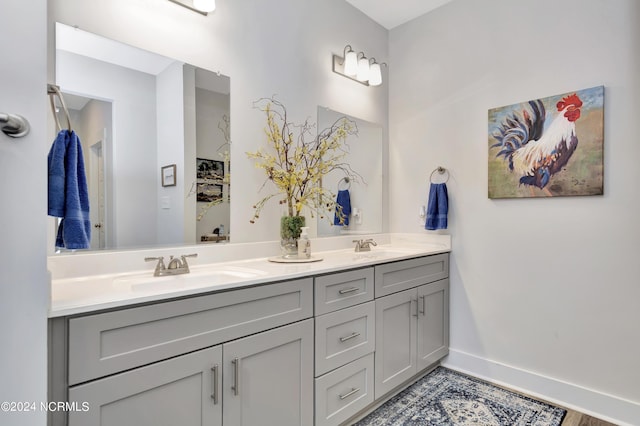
<point x="298" y="345"/>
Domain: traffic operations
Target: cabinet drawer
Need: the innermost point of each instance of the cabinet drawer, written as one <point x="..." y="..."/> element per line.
<point x="345" y="391"/>
<point x="338" y="291"/>
<point x="107" y="343"/>
<point x="344" y="336"/>
<point x="398" y="276"/>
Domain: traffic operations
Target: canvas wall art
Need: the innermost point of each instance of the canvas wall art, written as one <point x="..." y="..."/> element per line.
<point x="548" y="147"/>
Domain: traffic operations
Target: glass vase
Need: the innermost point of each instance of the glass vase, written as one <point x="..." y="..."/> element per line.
<point x="290" y="229"/>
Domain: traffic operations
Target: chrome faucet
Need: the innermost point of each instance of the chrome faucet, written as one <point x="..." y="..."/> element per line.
<point x="176" y="265"/>
<point x="364" y="245"/>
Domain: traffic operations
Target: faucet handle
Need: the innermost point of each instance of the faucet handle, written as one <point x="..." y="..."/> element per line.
<point x="160" y="259"/>
<point x="160" y="265"/>
<point x="184" y="260"/>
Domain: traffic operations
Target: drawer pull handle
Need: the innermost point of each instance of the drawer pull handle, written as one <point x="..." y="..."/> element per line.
<point x="236" y="376"/>
<point x="349" y="337"/>
<point x="415" y="300"/>
<point x="348" y="394"/>
<point x="422" y="311"/>
<point x="214" y="384"/>
<point x="348" y="290"/>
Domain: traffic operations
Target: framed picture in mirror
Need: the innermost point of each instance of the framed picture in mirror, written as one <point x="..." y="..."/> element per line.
<point x="209" y="169"/>
<point x="208" y="192"/>
<point x="169" y="175"/>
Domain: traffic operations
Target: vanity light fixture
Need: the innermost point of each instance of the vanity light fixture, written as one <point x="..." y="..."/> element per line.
<point x="357" y="67"/>
<point x="204" y="7"/>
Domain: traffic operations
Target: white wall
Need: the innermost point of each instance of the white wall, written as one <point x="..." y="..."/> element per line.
<point x="24" y="286"/>
<point x="544" y="292"/>
<point x="281" y="47"/>
<point x="171" y="135"/>
<point x="134" y="152"/>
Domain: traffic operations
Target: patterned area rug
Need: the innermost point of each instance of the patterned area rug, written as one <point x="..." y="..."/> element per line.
<point x="447" y="398"/>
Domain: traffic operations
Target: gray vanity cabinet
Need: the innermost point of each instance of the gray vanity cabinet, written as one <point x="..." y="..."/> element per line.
<point x="261" y="379"/>
<point x="344" y="345"/>
<point x="241" y="357"/>
<point x="412" y="325"/>
<point x="261" y="355"/>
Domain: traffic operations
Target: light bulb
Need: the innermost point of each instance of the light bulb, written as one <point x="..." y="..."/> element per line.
<point x="375" y="74"/>
<point x="351" y="63"/>
<point x="363" y="69"/>
<point x="205" y="5"/>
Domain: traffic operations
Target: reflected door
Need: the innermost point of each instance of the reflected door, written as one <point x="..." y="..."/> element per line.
<point x="97" y="191"/>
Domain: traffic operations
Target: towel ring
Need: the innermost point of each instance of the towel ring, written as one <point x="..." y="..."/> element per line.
<point x="53" y="90"/>
<point x="346" y="181"/>
<point x="441" y="170"/>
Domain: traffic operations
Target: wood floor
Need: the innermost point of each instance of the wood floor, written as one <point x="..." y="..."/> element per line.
<point x="573" y="418"/>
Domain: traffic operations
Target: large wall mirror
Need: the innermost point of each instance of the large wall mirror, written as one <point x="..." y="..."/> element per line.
<point x="155" y="136"/>
<point x="363" y="195"/>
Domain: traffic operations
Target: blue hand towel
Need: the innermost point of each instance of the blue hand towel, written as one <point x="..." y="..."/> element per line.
<point x="68" y="194"/>
<point x="437" y="207"/>
<point x="342" y="200"/>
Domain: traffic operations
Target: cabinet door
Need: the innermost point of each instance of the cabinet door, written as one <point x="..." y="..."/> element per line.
<point x="433" y="322"/>
<point x="268" y="378"/>
<point x="395" y="359"/>
<point x="180" y="391"/>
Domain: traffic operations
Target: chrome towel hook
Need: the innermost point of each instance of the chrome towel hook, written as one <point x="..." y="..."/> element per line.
<point x="14" y="125"/>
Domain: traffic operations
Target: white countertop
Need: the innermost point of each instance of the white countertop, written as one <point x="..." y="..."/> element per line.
<point x="76" y="295"/>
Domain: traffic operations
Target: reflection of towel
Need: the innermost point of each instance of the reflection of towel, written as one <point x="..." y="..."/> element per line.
<point x="437" y="207"/>
<point x="343" y="208"/>
<point x="68" y="195"/>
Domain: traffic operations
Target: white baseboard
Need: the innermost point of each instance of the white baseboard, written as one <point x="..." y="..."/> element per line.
<point x="588" y="401"/>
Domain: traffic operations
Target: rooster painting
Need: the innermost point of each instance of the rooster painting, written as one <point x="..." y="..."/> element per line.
<point x="537" y="143"/>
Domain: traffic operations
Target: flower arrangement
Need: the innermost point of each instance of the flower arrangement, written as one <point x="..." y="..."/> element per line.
<point x="297" y="160"/>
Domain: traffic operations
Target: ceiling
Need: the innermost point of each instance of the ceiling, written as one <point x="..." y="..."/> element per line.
<point x="390" y="14"/>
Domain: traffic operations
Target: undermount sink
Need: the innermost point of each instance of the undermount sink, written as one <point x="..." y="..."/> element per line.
<point x="197" y="277"/>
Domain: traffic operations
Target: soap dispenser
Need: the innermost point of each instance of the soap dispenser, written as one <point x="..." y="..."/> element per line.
<point x="304" y="244"/>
